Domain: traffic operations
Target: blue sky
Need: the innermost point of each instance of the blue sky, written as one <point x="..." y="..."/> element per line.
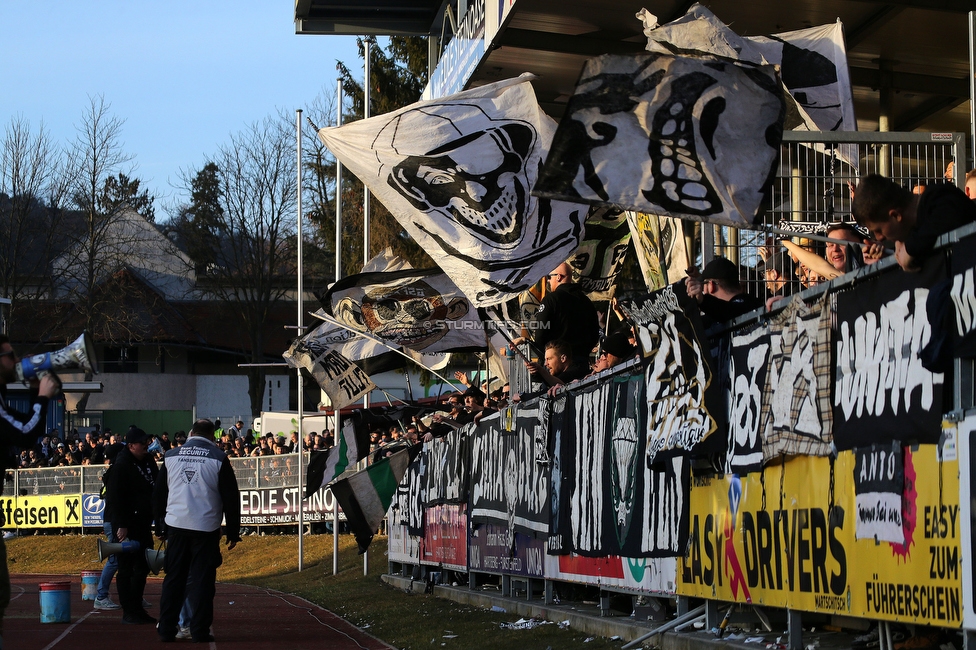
<point x="183" y="75"/>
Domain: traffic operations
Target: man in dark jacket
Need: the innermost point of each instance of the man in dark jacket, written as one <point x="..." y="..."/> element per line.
<point x="913" y="221"/>
<point x="197" y="488"/>
<point x="130" y="490"/>
<point x="567" y="315"/>
<point x="18" y="430"/>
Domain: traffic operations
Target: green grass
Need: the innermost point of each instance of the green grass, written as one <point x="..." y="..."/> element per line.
<point x="404" y="620"/>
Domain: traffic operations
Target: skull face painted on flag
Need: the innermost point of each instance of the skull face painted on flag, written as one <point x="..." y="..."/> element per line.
<point x="413" y="308"/>
<point x="413" y="315"/>
<point x="456" y="173"/>
<point x="674" y="136"/>
<point x="477" y="182"/>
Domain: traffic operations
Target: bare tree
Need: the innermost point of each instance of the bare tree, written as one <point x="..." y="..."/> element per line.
<point x="253" y="265"/>
<point x="32" y="188"/>
<point x="104" y="233"/>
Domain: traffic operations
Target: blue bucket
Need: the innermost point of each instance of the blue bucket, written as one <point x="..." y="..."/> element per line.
<point x="55" y="602"/>
<point x="89" y="584"/>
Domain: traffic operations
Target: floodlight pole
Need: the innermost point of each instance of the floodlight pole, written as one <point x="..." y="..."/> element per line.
<point x="301" y="327"/>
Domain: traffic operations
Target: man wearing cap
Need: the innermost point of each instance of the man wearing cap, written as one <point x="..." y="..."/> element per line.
<point x="719" y="293"/>
<point x="18" y="430"/>
<point x="616" y="348"/>
<point x="197" y="489"/>
<point x="130" y="489"/>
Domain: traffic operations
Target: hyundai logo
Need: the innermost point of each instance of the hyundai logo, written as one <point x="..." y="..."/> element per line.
<point x="94" y="504"/>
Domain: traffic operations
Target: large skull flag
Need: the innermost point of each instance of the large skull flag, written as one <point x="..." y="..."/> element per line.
<point x="417" y="309"/>
<point x="675" y="136"/>
<point x="456" y="173"/>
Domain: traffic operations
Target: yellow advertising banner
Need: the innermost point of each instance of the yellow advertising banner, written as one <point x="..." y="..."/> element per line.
<point x="786" y="537"/>
<point x="48" y="511"/>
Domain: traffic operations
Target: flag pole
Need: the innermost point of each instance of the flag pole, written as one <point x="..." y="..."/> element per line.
<point x="338" y="224"/>
<point x="328" y="319"/>
<point x="301" y="326"/>
<point x="366" y="93"/>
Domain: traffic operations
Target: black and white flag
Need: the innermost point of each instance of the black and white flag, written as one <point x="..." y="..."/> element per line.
<point x="881" y="389"/>
<point x="342" y="380"/>
<point x="600" y="256"/>
<point x="678" y="372"/>
<point x="812" y="62"/>
<point x="879" y="481"/>
<point x="669" y="135"/>
<point x="748" y="364"/>
<point x="419" y="309"/>
<point x="456" y="174"/>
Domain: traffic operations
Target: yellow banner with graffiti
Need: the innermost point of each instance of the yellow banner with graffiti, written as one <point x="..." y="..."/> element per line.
<point x="48" y="511"/>
<point x="786" y="537"/>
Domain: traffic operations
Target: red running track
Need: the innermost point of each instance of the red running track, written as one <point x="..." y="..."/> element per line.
<point x="250" y="618"/>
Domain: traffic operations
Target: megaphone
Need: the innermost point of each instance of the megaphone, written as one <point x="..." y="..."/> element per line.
<point x="111" y="548"/>
<point x="155" y="558"/>
<point x="78" y="355"/>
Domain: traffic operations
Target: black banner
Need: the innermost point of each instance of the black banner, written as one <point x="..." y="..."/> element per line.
<point x="748" y="365"/>
<point x="619" y="504"/>
<point x="881" y="390"/>
<point x="508" y="486"/>
<point x="963" y="293"/>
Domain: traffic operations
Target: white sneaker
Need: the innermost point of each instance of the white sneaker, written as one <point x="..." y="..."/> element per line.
<point x="184" y="633"/>
<point x="106" y="603"/>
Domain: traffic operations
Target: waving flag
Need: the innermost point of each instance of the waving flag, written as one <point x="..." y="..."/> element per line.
<point x="419" y="309"/>
<point x="456" y="174"/>
<point x="342" y="380"/>
<point x="326" y="466"/>
<point x="365" y="496"/>
<point x="676" y="136"/>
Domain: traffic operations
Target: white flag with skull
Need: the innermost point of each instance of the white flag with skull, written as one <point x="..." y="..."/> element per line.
<point x="676" y="136"/>
<point x="456" y="174"/>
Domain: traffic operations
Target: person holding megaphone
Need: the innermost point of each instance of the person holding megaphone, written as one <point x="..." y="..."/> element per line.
<point x="19" y="430"/>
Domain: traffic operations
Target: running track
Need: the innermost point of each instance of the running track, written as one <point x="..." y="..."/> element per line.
<point x="250" y="618"/>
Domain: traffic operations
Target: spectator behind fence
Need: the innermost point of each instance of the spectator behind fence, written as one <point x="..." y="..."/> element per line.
<point x="852" y="256"/>
<point x="971" y="184"/>
<point x="719" y="293"/>
<point x="617" y="348"/>
<point x="567" y="315"/>
<point x="558" y="368"/>
<point x="913" y="222"/>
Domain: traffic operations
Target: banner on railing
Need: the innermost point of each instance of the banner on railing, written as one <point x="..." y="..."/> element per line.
<point x="272" y="506"/>
<point x="786" y="538"/>
<point x="445" y="540"/>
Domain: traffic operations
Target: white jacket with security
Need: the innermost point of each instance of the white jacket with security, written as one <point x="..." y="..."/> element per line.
<point x="197" y="489"/>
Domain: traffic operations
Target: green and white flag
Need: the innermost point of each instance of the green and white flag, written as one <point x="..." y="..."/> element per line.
<point x="365" y="496"/>
<point x="326" y="466"/>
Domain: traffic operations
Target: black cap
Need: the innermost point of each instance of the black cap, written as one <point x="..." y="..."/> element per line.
<point x="618" y="344"/>
<point x="721" y="268"/>
<point x="136" y="435"/>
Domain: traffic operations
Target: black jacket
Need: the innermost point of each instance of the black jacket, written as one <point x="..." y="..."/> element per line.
<point x="20" y="430"/>
<point x="130" y="490"/>
<point x="567" y="315"/>
<point x="941" y="208"/>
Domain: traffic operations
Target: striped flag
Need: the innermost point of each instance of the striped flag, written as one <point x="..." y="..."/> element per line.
<point x="325" y="466"/>
<point x="365" y="496"/>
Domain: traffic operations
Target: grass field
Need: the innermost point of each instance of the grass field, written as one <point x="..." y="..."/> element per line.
<point x="403" y="620"/>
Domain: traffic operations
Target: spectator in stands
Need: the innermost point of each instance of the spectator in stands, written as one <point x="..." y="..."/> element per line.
<point x="778" y="273"/>
<point x="971" y="184"/>
<point x="558" y="367"/>
<point x="853" y="256"/>
<point x="617" y="348"/>
<point x="566" y="315"/>
<point x="720" y="295"/>
<point x="913" y="222"/>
